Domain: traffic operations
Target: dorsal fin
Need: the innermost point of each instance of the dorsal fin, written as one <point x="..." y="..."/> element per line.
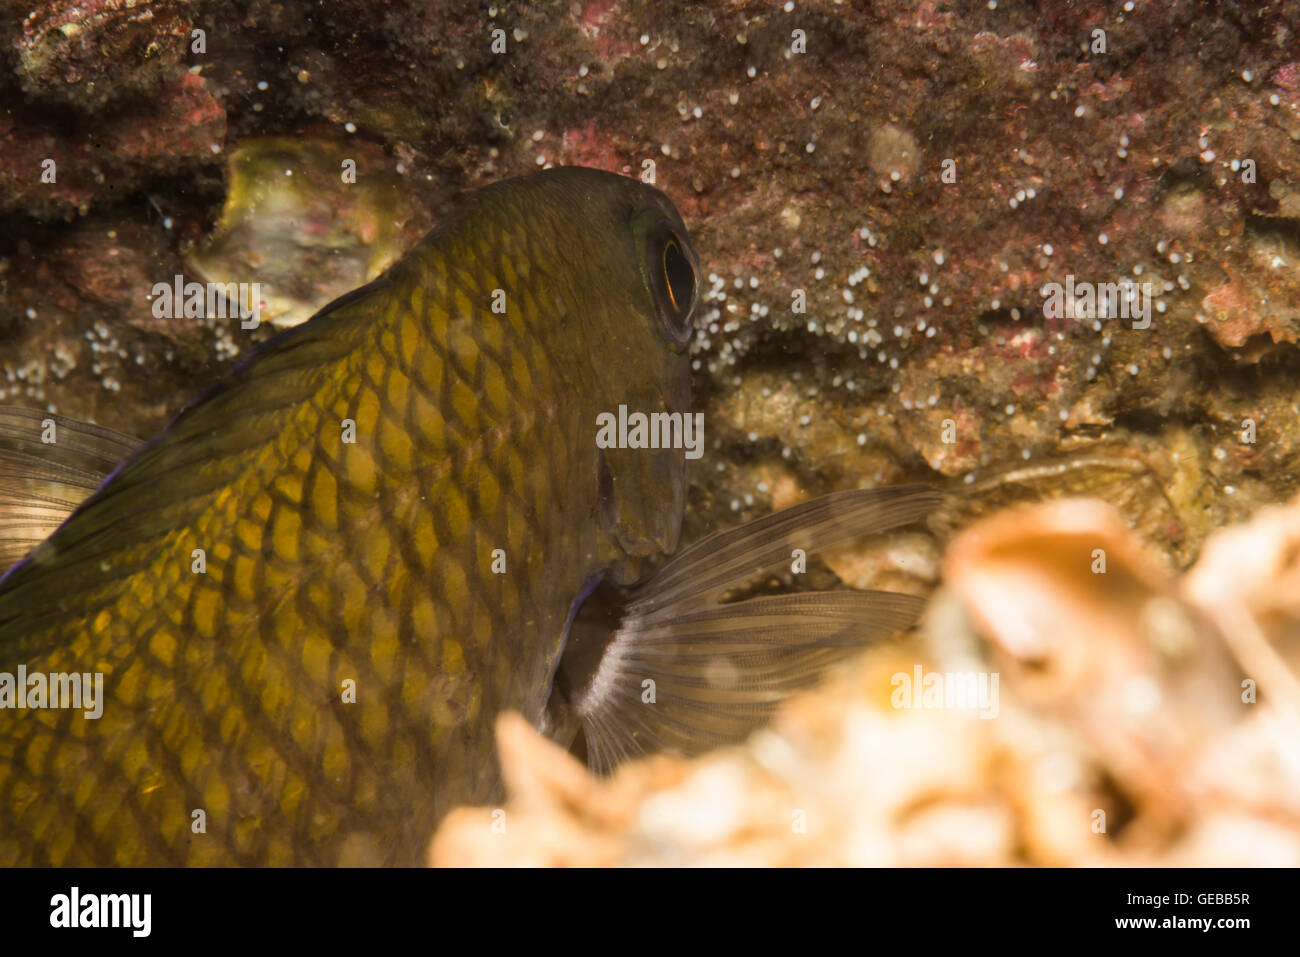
<point x="49" y="464"/>
<point x="169" y="480"/>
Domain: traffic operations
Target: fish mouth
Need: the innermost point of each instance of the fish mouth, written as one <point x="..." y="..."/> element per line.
<point x="640" y="506"/>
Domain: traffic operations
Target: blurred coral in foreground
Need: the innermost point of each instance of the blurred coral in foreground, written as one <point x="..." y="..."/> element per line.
<point x="1134" y="718"/>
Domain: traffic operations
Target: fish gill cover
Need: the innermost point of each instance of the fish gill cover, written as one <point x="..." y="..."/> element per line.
<point x="1041" y="257"/>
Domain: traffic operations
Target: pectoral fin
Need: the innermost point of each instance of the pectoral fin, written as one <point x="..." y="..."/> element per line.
<point x="669" y="667"/>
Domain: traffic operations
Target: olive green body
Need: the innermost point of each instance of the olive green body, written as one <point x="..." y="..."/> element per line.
<point x="312" y="594"/>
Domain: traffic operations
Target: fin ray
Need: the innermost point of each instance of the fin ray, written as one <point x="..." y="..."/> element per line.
<point x="42" y="483"/>
<point x="733" y="557"/>
<point x="719" y="671"/>
<point x="167" y="482"/>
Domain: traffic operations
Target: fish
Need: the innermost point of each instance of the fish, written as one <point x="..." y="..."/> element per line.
<point x="310" y="596"/>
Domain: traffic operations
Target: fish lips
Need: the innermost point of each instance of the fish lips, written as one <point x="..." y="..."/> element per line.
<point x="641" y="498"/>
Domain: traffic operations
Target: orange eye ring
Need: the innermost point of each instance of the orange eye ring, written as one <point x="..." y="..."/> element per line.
<point x="672" y="295"/>
<point x="668" y="271"/>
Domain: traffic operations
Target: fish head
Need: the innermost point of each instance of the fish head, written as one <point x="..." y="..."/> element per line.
<point x="629" y="320"/>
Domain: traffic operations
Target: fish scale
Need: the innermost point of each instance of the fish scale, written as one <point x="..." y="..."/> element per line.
<point x="329" y="561"/>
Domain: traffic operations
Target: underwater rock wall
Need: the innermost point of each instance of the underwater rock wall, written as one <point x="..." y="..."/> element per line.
<point x="880" y="193"/>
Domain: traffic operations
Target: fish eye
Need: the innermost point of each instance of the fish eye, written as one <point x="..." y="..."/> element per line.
<point x="670" y="275"/>
<point x="679" y="277"/>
